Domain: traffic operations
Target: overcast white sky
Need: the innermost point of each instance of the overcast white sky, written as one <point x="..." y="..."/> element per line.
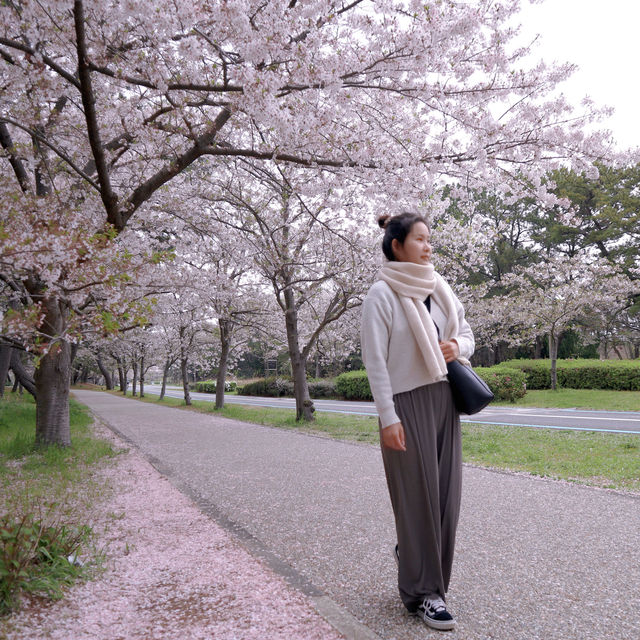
<point x="603" y="38"/>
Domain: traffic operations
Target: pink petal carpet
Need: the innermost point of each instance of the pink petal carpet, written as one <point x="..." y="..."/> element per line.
<point x="170" y="573"/>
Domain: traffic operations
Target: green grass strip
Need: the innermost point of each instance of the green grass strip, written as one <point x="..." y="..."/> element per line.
<point x="593" y="399"/>
<point x="45" y="493"/>
<point x="598" y="459"/>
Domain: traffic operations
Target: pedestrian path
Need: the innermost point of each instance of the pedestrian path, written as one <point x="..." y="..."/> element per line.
<point x="535" y="558"/>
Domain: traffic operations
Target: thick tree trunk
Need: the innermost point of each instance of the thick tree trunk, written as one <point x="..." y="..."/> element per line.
<point x="52" y="393"/>
<point x="108" y="380"/>
<point x="184" y="361"/>
<point x="5" y="362"/>
<point x="23" y="379"/>
<point x="142" y="377"/>
<point x="226" y="328"/>
<point x="165" y="375"/>
<point x="52" y="378"/>
<point x="304" y="404"/>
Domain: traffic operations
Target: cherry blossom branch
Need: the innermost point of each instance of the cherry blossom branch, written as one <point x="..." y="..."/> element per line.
<point x="172" y="86"/>
<point x="61" y="154"/>
<point x="109" y="198"/>
<point x="145" y="190"/>
<point x="14" y="160"/>
<point x="12" y="44"/>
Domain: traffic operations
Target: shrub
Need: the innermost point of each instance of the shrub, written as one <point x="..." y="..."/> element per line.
<point x="209" y="386"/>
<point x="354" y="385"/>
<point x="323" y="389"/>
<point x="270" y="387"/>
<point x="506" y="384"/>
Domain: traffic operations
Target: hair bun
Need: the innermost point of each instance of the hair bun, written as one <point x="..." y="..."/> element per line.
<point x="383" y="220"/>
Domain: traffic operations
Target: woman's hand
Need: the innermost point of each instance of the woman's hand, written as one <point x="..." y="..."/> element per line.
<point x="393" y="437"/>
<point x="450" y="350"/>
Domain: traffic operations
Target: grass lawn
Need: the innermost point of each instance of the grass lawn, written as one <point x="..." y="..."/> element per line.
<point x="45" y="494"/>
<point x="596" y="399"/>
<point x="599" y="459"/>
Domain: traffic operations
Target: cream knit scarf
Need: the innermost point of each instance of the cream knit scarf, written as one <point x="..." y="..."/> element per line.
<point x="412" y="283"/>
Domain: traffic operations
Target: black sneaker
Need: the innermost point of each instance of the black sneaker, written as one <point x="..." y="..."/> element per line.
<point x="396" y="555"/>
<point x="433" y="612"/>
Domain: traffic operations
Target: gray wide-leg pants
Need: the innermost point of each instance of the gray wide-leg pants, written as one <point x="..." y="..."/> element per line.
<point x="425" y="484"/>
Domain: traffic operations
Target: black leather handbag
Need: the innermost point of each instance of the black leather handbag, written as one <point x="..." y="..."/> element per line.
<point x="470" y="392"/>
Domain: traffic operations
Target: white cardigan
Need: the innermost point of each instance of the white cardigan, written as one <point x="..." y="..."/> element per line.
<point x="389" y="351"/>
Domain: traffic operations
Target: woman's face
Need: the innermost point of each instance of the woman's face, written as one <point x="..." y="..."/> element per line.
<point x="416" y="247"/>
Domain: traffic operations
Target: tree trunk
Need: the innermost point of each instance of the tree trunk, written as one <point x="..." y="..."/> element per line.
<point x="553" y="354"/>
<point x="23" y="379"/>
<point x="304" y="404"/>
<point x="122" y="377"/>
<point x="165" y="375"/>
<point x="226" y="329"/>
<point x="52" y="378"/>
<point x="184" y="361"/>
<point x="142" y="376"/>
<point x="108" y="380"/>
<point x="5" y="362"/>
<point x="537" y="353"/>
<point x="134" y="384"/>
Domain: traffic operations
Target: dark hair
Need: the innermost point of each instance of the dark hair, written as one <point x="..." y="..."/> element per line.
<point x="397" y="228"/>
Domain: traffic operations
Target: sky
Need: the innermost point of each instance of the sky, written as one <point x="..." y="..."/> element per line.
<point x="602" y="37"/>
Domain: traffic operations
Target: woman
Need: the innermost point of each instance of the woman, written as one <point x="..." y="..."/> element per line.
<point x="405" y="348"/>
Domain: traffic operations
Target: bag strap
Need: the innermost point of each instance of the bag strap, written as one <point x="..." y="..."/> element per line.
<point x="427" y="303"/>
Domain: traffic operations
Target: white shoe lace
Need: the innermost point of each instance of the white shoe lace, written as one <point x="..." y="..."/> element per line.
<point x="435" y="605"/>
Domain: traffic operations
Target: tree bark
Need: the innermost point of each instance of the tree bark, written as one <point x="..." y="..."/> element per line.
<point x="165" y="375"/>
<point x="226" y="329"/>
<point x="184" y="361"/>
<point x="108" y="380"/>
<point x="23" y="379"/>
<point x="52" y="378"/>
<point x="5" y="362"/>
<point x="134" y="384"/>
<point x="142" y="376"/>
<point x="553" y="355"/>
<point x="304" y="404"/>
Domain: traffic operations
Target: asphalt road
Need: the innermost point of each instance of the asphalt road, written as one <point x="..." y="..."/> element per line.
<point x="571" y="419"/>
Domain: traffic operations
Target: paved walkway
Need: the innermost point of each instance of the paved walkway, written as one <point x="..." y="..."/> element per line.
<point x="535" y="558"/>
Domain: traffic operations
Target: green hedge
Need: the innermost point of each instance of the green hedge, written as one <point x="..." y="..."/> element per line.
<point x="268" y="387"/>
<point x="209" y="386"/>
<point x="354" y="385"/>
<point x="616" y="375"/>
<point x="506" y="384"/>
<point x="283" y="387"/>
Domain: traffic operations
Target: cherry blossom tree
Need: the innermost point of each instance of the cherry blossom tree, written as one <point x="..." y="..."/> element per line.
<point x="315" y="257"/>
<point x="550" y="296"/>
<point x="105" y="104"/>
